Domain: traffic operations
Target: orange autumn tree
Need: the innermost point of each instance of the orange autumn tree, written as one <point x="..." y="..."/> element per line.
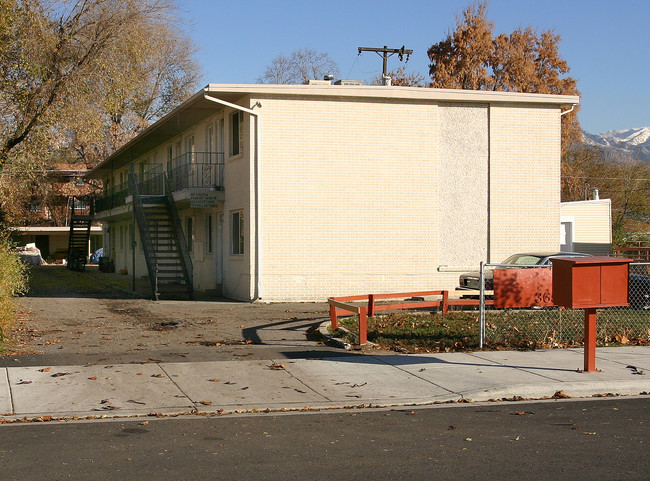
<point x="471" y="57"/>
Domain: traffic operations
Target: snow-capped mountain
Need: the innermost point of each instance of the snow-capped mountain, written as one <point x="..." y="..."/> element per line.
<point x="631" y="142"/>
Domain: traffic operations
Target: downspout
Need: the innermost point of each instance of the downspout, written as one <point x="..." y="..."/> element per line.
<point x="258" y="236"/>
<point x="573" y="106"/>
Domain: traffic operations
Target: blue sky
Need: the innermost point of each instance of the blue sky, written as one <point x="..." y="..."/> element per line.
<point x="606" y="43"/>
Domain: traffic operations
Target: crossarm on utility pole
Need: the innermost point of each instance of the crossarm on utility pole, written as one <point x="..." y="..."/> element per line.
<point x="388" y="52"/>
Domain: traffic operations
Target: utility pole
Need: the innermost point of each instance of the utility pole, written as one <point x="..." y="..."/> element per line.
<point x="388" y="52"/>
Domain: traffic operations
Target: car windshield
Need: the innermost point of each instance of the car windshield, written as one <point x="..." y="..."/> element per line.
<point x="523" y="260"/>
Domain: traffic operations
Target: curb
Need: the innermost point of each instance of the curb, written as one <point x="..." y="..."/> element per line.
<point x="330" y="340"/>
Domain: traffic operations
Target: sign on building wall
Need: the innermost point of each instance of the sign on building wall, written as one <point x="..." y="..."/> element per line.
<point x="202" y="200"/>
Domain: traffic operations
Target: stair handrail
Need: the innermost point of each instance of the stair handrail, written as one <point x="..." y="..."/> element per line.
<point x="77" y="257"/>
<point x="186" y="261"/>
<point x="145" y="237"/>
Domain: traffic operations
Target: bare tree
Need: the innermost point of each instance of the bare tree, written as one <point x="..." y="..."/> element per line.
<point x="54" y="51"/>
<point x="300" y="67"/>
<point x="78" y="78"/>
<point x="401" y="78"/>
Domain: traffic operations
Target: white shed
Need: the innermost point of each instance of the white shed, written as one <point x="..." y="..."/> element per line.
<point x="586" y="227"/>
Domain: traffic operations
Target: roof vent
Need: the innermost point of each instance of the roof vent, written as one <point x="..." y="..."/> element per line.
<point x="348" y="82"/>
<point x="319" y="82"/>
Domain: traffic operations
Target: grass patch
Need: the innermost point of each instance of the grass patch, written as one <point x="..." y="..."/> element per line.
<point x="415" y="332"/>
<point x="505" y="329"/>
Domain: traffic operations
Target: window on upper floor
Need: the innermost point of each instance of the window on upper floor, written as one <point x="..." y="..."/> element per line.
<point x="190" y="149"/>
<point x="170" y="158"/>
<point x="236" y="133"/>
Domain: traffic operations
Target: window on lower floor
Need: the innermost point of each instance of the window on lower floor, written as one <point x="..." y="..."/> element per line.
<point x="189" y="233"/>
<point x="237" y="233"/>
<point x="209" y="237"/>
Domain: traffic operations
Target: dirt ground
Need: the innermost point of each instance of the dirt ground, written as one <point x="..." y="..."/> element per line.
<point x="72" y="318"/>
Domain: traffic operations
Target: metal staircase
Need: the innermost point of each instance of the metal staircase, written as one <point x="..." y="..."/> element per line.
<point x="165" y="250"/>
<point x="80" y="220"/>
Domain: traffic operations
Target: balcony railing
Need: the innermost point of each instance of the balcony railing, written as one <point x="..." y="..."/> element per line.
<point x="115" y="198"/>
<point x="188" y="171"/>
<point x="196" y="175"/>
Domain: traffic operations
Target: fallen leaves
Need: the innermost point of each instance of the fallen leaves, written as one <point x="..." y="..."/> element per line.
<point x="635" y="370"/>
<point x="276" y="366"/>
<point x="560" y="395"/>
<point x="45" y="369"/>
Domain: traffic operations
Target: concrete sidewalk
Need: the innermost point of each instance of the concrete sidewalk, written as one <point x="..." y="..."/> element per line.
<point x="327" y="382"/>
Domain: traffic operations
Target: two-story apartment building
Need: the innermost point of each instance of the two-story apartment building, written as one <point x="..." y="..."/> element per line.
<point x="288" y="192"/>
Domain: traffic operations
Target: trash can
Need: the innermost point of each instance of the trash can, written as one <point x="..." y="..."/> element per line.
<point x="106" y="265"/>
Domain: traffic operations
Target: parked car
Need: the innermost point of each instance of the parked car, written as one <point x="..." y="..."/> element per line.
<point x="470" y="280"/>
<point x="639" y="291"/>
<point x="638" y="284"/>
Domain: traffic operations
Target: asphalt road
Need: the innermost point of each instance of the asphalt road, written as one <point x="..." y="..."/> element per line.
<point x="593" y="439"/>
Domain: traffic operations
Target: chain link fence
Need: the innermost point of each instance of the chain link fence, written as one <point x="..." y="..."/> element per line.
<point x="547" y="327"/>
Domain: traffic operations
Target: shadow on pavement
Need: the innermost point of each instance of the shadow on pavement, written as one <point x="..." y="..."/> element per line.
<point x="398" y="360"/>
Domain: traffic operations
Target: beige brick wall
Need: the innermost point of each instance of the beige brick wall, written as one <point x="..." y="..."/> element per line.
<point x="349" y="197"/>
<point x="524" y="179"/>
<point x="371" y="195"/>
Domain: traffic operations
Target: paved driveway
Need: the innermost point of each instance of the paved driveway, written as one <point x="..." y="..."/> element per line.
<point x="91" y="317"/>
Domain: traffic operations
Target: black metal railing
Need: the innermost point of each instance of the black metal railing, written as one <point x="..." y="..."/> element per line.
<point x="116" y="197"/>
<point x="81" y="205"/>
<point x="188" y="171"/>
<point x="151" y="183"/>
<point x="197" y="175"/>
<point x="183" y="245"/>
<point x="145" y="237"/>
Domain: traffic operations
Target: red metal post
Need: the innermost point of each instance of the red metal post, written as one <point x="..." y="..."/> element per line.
<point x="363" y="325"/>
<point x="445" y="302"/>
<point x="333" y="318"/>
<point x="590" y="340"/>
<point x="371" y="305"/>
